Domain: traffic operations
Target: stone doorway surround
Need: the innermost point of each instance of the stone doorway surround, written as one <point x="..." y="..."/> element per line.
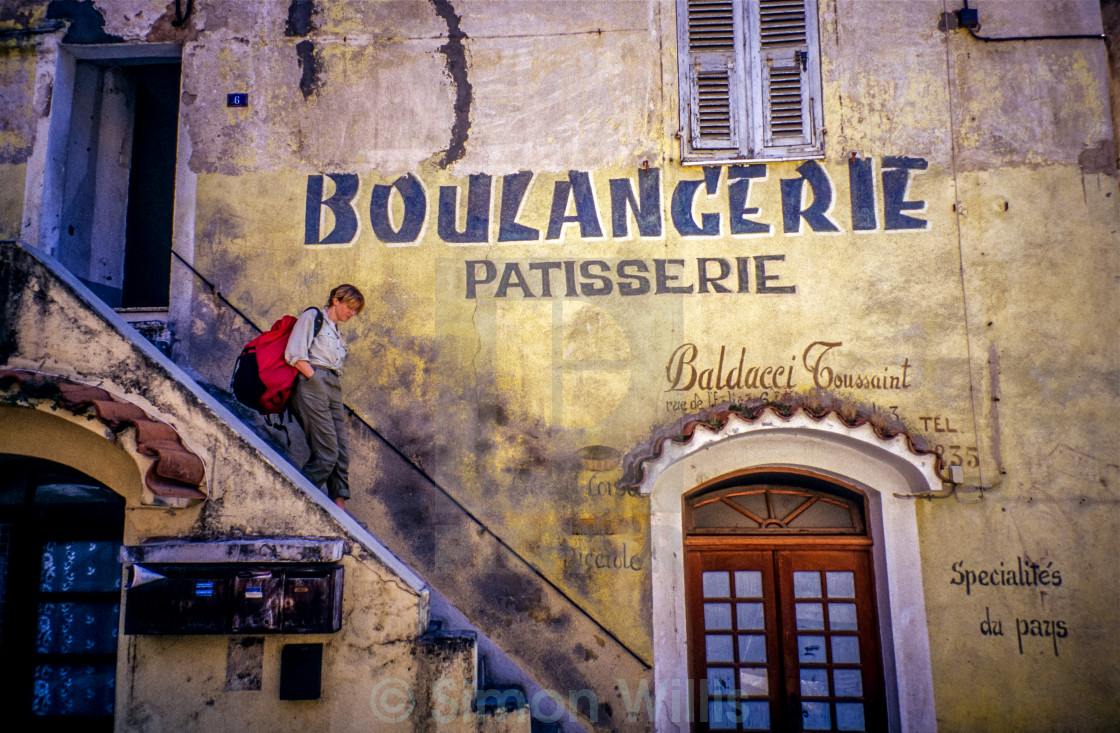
<point x="888" y="470"/>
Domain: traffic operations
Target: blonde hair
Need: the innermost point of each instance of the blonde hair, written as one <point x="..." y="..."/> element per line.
<point x="348" y="294"/>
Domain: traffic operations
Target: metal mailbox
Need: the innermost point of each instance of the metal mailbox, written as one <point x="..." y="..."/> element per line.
<point x="233" y="598"/>
<point x="313" y="602"/>
<point x="179" y="606"/>
<point x="258" y="601"/>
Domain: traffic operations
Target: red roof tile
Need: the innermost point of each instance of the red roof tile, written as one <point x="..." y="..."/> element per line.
<point x="177" y="472"/>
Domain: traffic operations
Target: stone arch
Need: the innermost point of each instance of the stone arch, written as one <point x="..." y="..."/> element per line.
<point x="87" y="428"/>
<point x="76" y="442"/>
<point x="886" y="469"/>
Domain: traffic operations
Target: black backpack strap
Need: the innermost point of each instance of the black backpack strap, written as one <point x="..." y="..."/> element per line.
<point x="318" y="320"/>
<point x="276" y="422"/>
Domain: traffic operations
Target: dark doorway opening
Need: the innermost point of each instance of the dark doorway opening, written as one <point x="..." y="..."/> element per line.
<point x="151" y="187"/>
<point x="118" y="192"/>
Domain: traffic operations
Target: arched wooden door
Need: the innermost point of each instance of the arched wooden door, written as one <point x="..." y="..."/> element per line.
<point x="782" y="624"/>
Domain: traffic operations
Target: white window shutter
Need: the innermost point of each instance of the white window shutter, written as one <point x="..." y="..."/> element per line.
<point x="749" y="73"/>
<point x="712" y="121"/>
<point x="786" y="118"/>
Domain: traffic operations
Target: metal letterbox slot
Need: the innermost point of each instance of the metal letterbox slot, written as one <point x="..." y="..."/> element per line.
<point x="313" y="602"/>
<point x="152" y="608"/>
<point x="203" y="606"/>
<point x="178" y="606"/>
<point x="257" y="602"/>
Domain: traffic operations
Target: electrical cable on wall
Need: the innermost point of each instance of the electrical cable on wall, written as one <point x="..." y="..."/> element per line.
<point x="49" y="27"/>
<point x="969" y="19"/>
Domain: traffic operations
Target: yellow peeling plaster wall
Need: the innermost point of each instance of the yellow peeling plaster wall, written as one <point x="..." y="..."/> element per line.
<point x="201" y="682"/>
<point x="997" y="317"/>
<point x="993" y="327"/>
<point x="17" y="131"/>
<point x="1039" y="253"/>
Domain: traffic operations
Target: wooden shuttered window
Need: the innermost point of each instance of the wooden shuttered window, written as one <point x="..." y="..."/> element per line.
<point x="749" y="80"/>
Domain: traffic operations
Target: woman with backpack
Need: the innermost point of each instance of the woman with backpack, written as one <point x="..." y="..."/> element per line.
<point x="316" y="402"/>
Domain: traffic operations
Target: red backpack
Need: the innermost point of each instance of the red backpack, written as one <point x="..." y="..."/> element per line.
<point x="261" y="378"/>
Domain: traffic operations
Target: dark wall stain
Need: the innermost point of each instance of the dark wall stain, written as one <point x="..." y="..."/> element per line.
<point x="87" y="24"/>
<point x="168" y="29"/>
<point x="456" y="60"/>
<point x="18" y="11"/>
<point x="11" y="284"/>
<point x="1101" y="158"/>
<point x="300" y="21"/>
<point x="309" y="81"/>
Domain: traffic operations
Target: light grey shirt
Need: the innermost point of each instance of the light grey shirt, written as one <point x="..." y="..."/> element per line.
<point x="325" y="351"/>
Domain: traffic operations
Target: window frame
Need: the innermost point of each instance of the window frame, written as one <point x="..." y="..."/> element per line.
<point x="748" y="107"/>
<point x="804" y="488"/>
<point x="44" y="205"/>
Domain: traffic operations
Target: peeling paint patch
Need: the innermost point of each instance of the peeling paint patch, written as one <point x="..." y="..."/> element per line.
<point x="245" y="663"/>
<point x="309" y="81"/>
<point x="300" y="18"/>
<point x="1101" y="158"/>
<point x="20" y="12"/>
<point x="17" y="87"/>
<point x="171" y="28"/>
<point x="87" y="24"/>
<point x="455" y="53"/>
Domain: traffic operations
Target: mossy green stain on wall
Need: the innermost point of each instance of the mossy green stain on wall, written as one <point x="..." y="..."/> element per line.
<point x="12" y="178"/>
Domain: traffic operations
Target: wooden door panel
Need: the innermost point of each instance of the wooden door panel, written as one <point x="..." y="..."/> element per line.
<point x="813" y="665"/>
<point x="830" y="646"/>
<point x="733" y="640"/>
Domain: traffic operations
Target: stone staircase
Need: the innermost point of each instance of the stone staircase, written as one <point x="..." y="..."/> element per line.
<point x="535" y="638"/>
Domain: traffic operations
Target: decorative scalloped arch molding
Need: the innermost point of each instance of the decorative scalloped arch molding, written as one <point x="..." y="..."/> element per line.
<point x="886" y="470"/>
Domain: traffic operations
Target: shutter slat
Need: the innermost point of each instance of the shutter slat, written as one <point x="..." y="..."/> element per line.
<point x="786" y="115"/>
<point x="781" y="22"/>
<point x="713" y="104"/>
<point x="711" y="25"/>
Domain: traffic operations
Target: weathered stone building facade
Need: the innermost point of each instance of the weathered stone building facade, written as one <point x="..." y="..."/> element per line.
<point x="726" y="364"/>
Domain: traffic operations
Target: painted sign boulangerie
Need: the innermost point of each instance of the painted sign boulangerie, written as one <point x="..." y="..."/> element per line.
<point x="400" y="212"/>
